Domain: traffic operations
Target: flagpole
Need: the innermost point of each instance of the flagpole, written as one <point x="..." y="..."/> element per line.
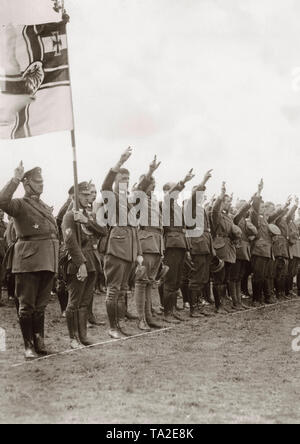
<point x="73" y="139"/>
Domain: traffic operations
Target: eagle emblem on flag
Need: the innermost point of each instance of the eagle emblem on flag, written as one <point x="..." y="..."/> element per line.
<point x="35" y="93"/>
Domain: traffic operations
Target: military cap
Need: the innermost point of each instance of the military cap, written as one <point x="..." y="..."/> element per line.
<point x="84" y="188"/>
<point x="34" y="174"/>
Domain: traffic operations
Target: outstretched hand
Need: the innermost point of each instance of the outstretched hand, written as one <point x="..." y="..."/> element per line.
<point x="260" y="185"/>
<point x="154" y="165"/>
<point x="288" y="202"/>
<point x="223" y="189"/>
<point x="19" y="171"/>
<point x="125" y="156"/>
<point x="206" y="177"/>
<point x="189" y="176"/>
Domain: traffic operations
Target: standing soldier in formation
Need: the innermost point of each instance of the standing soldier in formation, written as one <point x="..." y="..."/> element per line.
<point x="123" y="250"/>
<point x="176" y="247"/>
<point x="201" y="248"/>
<point x="99" y="232"/>
<point x="225" y="233"/>
<point x="78" y="235"/>
<point x="263" y="264"/>
<point x="281" y="249"/>
<point x="151" y="238"/>
<point x="243" y="250"/>
<point x="35" y="257"/>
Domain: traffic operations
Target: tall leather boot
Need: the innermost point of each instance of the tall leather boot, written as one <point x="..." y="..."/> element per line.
<point x="218" y="290"/>
<point x="255" y="295"/>
<point x="156" y="300"/>
<point x="185" y="295"/>
<point x="82" y="327"/>
<point x="111" y="308"/>
<point x="26" y="325"/>
<point x="232" y="293"/>
<point x="121" y="314"/>
<point x="268" y="292"/>
<point x="201" y="307"/>
<point x="226" y="302"/>
<point x="175" y="313"/>
<point x="130" y="316"/>
<point x="92" y="320"/>
<point x="148" y="310"/>
<point x="238" y="291"/>
<point x="162" y="292"/>
<point x="72" y="324"/>
<point x="168" y="307"/>
<point x="179" y="295"/>
<point x="39" y="333"/>
<point x="216" y="297"/>
<point x="194" y="304"/>
<point x="140" y="302"/>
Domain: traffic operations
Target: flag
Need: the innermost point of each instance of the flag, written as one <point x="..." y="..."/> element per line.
<point x="35" y="91"/>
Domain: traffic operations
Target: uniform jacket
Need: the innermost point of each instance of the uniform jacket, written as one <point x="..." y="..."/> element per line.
<point x="37" y="246"/>
<point x="173" y="221"/>
<point x="223" y="236"/>
<point x="281" y="243"/>
<point x="123" y="241"/>
<point x="150" y="234"/>
<point x="78" y="255"/>
<point x="199" y="245"/>
<point x="243" y="250"/>
<point x="262" y="245"/>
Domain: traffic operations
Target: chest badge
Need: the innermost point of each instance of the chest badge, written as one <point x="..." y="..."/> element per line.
<point x="36" y="226"/>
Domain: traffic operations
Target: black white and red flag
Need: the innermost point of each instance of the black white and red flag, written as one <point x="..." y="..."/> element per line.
<point x="35" y="92"/>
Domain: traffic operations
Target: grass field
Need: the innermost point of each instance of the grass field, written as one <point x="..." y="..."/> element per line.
<point x="228" y="369"/>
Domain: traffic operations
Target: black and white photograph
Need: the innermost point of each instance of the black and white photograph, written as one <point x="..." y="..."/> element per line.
<point x="149" y="214"/>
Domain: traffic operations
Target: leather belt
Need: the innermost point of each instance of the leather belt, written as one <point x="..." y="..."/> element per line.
<point x="39" y="238"/>
<point x="175" y="230"/>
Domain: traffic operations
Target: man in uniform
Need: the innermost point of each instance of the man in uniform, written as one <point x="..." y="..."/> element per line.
<point x="92" y="321"/>
<point x="262" y="216"/>
<point x="176" y="247"/>
<point x="281" y="249"/>
<point x="151" y="238"/>
<point x="243" y="250"/>
<point x="123" y="250"/>
<point x="35" y="258"/>
<point x="225" y="233"/>
<point x="61" y="285"/>
<point x="78" y="235"/>
<point x="202" y="251"/>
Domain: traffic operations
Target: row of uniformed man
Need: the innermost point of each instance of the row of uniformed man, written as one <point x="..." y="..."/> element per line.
<point x="153" y="261"/>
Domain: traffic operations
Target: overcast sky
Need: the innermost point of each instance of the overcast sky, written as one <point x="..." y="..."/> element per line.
<point x="200" y="83"/>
